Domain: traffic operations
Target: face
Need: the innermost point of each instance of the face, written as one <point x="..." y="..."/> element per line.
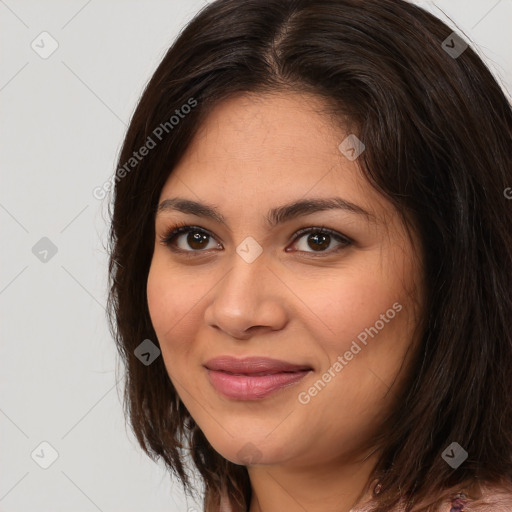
<point x="333" y="293"/>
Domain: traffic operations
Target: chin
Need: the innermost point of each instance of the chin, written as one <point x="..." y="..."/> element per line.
<point x="251" y="450"/>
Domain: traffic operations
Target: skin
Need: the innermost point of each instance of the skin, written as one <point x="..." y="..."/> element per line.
<point x="254" y="153"/>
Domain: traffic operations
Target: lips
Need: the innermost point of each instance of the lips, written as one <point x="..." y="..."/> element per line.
<point x="253" y="378"/>
<point x="253" y="366"/>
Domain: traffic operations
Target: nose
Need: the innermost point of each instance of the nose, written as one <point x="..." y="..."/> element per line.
<point x="250" y="299"/>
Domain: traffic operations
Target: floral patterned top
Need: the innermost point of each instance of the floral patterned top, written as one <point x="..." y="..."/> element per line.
<point x="458" y="504"/>
<point x="493" y="499"/>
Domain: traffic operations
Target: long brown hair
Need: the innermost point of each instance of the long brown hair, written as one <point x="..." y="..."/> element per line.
<point x="438" y="134"/>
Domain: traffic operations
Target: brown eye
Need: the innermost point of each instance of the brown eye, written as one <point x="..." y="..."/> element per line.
<point x="188" y="239"/>
<point x="196" y="240"/>
<point x="193" y="239"/>
<point x="319" y="240"/>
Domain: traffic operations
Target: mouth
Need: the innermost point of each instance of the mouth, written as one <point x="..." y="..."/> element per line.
<point x="253" y="378"/>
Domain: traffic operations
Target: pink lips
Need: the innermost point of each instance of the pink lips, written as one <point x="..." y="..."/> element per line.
<point x="252" y="378"/>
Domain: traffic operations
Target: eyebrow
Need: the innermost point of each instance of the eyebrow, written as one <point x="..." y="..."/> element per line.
<point x="275" y="216"/>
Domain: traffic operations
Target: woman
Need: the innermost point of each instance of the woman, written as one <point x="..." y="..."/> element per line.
<point x="310" y="227"/>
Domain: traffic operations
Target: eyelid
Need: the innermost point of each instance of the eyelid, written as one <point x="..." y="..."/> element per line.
<point x="183" y="228"/>
<point x="322" y="229"/>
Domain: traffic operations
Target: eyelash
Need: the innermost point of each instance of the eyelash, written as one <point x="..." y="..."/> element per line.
<point x="181" y="228"/>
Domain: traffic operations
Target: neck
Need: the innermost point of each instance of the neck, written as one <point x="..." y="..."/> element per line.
<point x="334" y="486"/>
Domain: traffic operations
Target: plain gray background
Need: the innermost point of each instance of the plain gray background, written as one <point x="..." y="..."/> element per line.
<point x="63" y="118"/>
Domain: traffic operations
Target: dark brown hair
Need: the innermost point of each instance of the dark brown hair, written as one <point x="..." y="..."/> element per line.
<point x="438" y="136"/>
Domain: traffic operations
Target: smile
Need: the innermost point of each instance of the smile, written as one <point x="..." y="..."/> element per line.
<point x="253" y="378"/>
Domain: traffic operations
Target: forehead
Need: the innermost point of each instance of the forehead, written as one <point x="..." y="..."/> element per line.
<point x="285" y="127"/>
<point x="263" y="150"/>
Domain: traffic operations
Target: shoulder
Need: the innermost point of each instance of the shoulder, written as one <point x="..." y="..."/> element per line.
<point x="494" y="498"/>
<point x="489" y="498"/>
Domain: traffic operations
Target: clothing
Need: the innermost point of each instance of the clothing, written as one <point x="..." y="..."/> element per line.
<point x="493" y="499"/>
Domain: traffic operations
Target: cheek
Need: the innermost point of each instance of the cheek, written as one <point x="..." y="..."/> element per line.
<point x="168" y="301"/>
<point x="344" y="307"/>
<point x="371" y="322"/>
<point x="161" y="303"/>
<point x="174" y="303"/>
<point x="366" y="317"/>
